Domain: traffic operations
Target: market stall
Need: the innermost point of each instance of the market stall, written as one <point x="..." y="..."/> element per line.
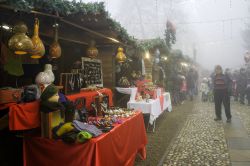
<point x="118" y="147"/>
<point x="27" y="115"/>
<point x="63" y="77"/>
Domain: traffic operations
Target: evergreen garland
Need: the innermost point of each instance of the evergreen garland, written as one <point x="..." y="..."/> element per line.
<point x="66" y="8"/>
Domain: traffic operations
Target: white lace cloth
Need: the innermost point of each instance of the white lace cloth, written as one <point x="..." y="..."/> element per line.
<point x="153" y="107"/>
<point x="130" y="91"/>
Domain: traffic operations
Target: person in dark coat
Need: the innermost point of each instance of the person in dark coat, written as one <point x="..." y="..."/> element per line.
<point x="221" y="86"/>
<point x="191" y="83"/>
<point x="242" y="85"/>
<point x="248" y="84"/>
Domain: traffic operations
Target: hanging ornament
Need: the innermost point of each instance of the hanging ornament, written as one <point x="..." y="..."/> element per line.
<point x="45" y="78"/>
<point x="120" y="56"/>
<point x="55" y="50"/>
<point x="38" y="48"/>
<point x="92" y="51"/>
<point x="20" y="43"/>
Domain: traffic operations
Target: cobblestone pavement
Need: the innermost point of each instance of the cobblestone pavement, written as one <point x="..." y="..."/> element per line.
<point x="201" y="142"/>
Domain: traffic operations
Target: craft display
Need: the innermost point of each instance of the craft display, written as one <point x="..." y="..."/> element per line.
<point x="38" y="48"/>
<point x="92" y="72"/>
<point x="55" y="48"/>
<point x="100" y="103"/>
<point x="51" y="111"/>
<point x="30" y="93"/>
<point x="119" y="112"/>
<point x="45" y="78"/>
<point x="81" y="112"/>
<point x="92" y="51"/>
<point x="71" y="83"/>
<point x="123" y="82"/>
<point x="91" y="88"/>
<point x="20" y="43"/>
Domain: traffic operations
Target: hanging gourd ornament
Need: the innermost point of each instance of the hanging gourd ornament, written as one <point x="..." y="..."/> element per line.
<point x="20" y="43"/>
<point x="120" y="56"/>
<point x="38" y="48"/>
<point x="55" y="50"/>
<point x="92" y="51"/>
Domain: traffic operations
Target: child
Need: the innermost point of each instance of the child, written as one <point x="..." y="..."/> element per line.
<point x="204" y="90"/>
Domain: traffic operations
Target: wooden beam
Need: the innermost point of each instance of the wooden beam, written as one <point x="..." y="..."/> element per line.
<point x="91" y="31"/>
<point x="69" y="23"/>
<point x="65" y="39"/>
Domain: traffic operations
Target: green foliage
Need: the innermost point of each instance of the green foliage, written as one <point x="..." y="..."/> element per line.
<point x="152" y="44"/>
<point x="63" y="7"/>
<point x="66" y="8"/>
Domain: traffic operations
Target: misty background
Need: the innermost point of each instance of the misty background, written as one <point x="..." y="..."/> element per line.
<point x="213" y="27"/>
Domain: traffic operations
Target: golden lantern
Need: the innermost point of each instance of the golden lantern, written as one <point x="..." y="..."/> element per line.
<point x="120" y="56"/>
<point x="92" y="51"/>
<point x="20" y="43"/>
<point x="55" y="50"/>
<point x="38" y="48"/>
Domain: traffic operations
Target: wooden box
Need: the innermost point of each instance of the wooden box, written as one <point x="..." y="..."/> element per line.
<point x="71" y="83"/>
<point x="49" y="121"/>
<point x="10" y="95"/>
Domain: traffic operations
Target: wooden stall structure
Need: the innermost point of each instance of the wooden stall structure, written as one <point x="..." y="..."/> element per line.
<point x="76" y="30"/>
<point x="78" y="24"/>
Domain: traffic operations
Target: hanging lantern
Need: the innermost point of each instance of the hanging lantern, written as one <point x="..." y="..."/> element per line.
<point x="120" y="56"/>
<point x="92" y="51"/>
<point x="55" y="50"/>
<point x="20" y="43"/>
<point x="38" y="48"/>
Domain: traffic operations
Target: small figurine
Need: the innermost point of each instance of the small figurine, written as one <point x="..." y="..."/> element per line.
<point x="50" y="99"/>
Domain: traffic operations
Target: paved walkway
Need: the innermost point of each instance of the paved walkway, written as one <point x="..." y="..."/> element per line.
<point x="204" y="142"/>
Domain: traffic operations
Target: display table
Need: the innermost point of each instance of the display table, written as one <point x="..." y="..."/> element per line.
<point x="153" y="107"/>
<point x="130" y="91"/>
<point x="27" y="116"/>
<point x="115" y="148"/>
<point x="166" y="104"/>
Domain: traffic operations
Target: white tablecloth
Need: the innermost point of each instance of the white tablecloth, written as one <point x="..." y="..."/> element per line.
<point x="167" y="101"/>
<point x="130" y="91"/>
<point x="153" y="107"/>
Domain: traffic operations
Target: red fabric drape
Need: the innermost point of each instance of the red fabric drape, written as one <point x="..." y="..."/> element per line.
<point x="26" y="115"/>
<point x="116" y="148"/>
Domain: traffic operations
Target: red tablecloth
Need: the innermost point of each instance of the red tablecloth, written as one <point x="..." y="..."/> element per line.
<point x="116" y="148"/>
<point x="27" y="116"/>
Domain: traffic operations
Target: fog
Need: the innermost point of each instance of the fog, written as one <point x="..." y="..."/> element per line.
<point x="213" y="27"/>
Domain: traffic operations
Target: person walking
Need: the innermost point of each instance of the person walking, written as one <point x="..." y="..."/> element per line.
<point x="242" y="85"/>
<point x="222" y="89"/>
<point x="191" y="83"/>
